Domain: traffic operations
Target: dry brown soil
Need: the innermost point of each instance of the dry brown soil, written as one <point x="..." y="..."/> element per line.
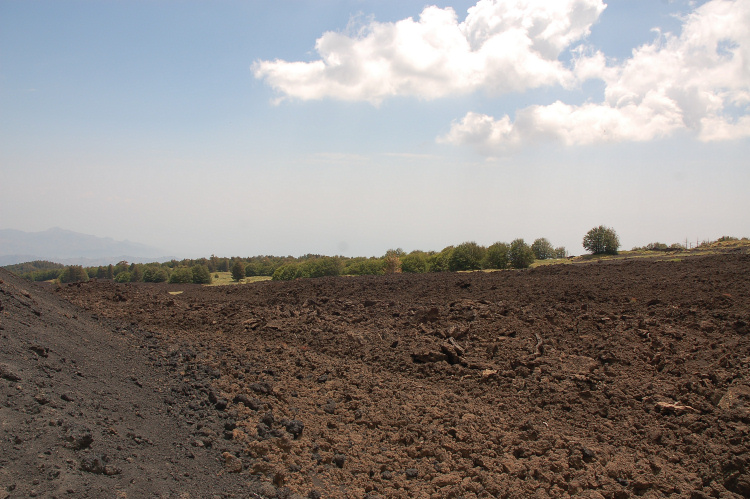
<point x="616" y="379"/>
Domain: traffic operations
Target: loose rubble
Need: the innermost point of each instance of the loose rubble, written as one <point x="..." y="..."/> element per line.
<point x="612" y="380"/>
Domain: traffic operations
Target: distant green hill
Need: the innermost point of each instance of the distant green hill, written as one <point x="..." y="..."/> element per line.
<point x="38" y="270"/>
<point x="71" y="248"/>
<point x="26" y="267"/>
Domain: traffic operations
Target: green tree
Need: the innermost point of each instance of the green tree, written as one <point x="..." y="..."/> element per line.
<point x="124" y="276"/>
<point x="253" y="269"/>
<point x="561" y="252"/>
<point x="161" y="275"/>
<point x="542" y="249"/>
<point x="286" y="272"/>
<point x="137" y="273"/>
<point x="222" y="264"/>
<point x="74" y="273"/>
<point x="601" y="240"/>
<point x="365" y="266"/>
<point x="148" y="273"/>
<point x="238" y="270"/>
<point x="321" y="267"/>
<point x="415" y="262"/>
<point x="657" y="246"/>
<point x="154" y="273"/>
<point x="110" y="272"/>
<point x="44" y="275"/>
<point x="496" y="256"/>
<point x="181" y="275"/>
<point x="121" y="266"/>
<point x="438" y="262"/>
<point x="201" y="275"/>
<point x="520" y="255"/>
<point x="466" y="256"/>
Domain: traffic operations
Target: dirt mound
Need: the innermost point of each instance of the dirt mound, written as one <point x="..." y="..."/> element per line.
<point x="613" y="380"/>
<point x="85" y="412"/>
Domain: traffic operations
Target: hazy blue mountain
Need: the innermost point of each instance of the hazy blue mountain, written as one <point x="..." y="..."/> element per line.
<point x="72" y="248"/>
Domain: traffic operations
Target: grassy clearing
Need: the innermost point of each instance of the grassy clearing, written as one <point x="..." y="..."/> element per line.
<point x="672" y="256"/>
<point x="175" y="292"/>
<point x="225" y="279"/>
<point x="551" y="261"/>
<point x="257" y="278"/>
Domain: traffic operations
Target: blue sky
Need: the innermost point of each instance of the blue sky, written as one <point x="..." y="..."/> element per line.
<point x="351" y="127"/>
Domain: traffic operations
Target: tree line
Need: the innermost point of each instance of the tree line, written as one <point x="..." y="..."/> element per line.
<point x="466" y="256"/>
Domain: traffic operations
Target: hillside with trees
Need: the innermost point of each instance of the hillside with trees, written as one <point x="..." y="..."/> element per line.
<point x="466" y="256"/>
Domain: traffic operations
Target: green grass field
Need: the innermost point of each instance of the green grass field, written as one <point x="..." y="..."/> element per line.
<point x="225" y="279"/>
<point x="551" y="261"/>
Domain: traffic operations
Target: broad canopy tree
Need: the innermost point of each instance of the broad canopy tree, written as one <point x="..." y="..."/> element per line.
<point x="520" y="254"/>
<point x="415" y="262"/>
<point x="601" y="241"/>
<point x="74" y="273"/>
<point x="201" y="274"/>
<point x="543" y="249"/>
<point x="496" y="256"/>
<point x="466" y="256"/>
<point x="181" y="275"/>
<point x="238" y="270"/>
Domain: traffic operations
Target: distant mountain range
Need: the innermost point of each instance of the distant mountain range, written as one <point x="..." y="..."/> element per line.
<point x="72" y="248"/>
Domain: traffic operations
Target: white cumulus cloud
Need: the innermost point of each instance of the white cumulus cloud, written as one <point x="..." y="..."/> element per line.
<point x="698" y="81"/>
<point x="501" y="46"/>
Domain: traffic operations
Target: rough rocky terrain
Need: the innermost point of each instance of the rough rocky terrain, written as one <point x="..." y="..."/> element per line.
<point x="84" y="411"/>
<point x="613" y="380"/>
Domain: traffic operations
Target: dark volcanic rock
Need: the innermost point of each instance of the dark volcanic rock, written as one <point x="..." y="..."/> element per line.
<point x="264" y="388"/>
<point x="250" y="403"/>
<point x="7" y="373"/>
<point x="295" y="428"/>
<point x="80" y="438"/>
<point x="268" y="419"/>
<point x="339" y="460"/>
<point x="94" y="463"/>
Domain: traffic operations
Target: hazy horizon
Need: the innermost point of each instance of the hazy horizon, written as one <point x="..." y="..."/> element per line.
<point x="354" y="126"/>
<point x="129" y="250"/>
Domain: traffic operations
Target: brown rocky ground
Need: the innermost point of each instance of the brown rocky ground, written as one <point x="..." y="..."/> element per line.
<point x="620" y="379"/>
